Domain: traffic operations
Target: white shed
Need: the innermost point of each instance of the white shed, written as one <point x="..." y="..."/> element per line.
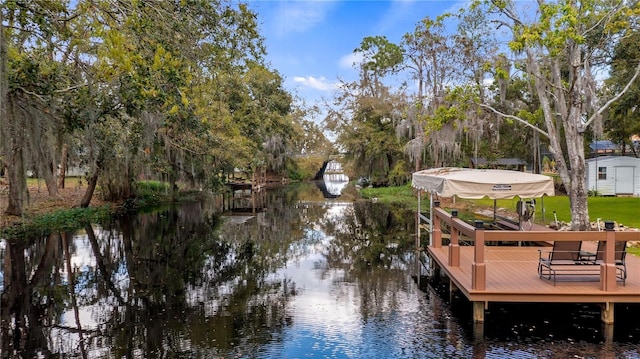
<point x="614" y="175"/>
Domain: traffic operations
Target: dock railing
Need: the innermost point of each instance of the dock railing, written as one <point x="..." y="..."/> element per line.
<point x="479" y="236"/>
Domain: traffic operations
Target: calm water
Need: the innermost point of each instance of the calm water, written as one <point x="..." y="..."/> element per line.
<point x="285" y="274"/>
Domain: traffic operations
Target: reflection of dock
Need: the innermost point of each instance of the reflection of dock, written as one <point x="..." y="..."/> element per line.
<point x="240" y="185"/>
<point x="237" y="218"/>
<point x="246" y="195"/>
<point x="244" y="200"/>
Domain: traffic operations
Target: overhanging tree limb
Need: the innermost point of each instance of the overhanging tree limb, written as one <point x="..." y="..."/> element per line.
<point x="516" y="118"/>
<point x="615" y="98"/>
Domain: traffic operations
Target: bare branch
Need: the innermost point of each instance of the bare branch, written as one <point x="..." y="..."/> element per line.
<point x="508" y="13"/>
<point x="39" y="96"/>
<point x="515" y="118"/>
<point x="615" y="98"/>
<point x="71" y="88"/>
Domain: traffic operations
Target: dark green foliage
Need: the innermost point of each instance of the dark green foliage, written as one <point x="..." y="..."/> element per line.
<point x="58" y="221"/>
<point x="624" y="118"/>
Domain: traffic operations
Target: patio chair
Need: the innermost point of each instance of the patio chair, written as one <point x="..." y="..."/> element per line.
<point x="563" y="253"/>
<point x="620" y="255"/>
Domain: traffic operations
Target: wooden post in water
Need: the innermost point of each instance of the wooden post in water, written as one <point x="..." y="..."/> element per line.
<point x="606" y="312"/>
<point x="478" y="312"/>
<point x="607" y="334"/>
<point x="478" y="271"/>
<point x="608" y="272"/>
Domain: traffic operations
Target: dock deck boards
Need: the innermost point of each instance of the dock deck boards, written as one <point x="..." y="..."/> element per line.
<point x="512" y="276"/>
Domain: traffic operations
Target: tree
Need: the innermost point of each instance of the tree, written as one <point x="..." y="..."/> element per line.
<point x="173" y="69"/>
<point x="30" y="80"/>
<point x="429" y="56"/>
<point x="310" y="138"/>
<point x="623" y="120"/>
<point x="160" y="89"/>
<point x="15" y="203"/>
<point x="262" y="115"/>
<point x="561" y="50"/>
<point x="367" y="112"/>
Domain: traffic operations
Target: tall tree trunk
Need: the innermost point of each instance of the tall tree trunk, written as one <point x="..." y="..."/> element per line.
<point x="577" y="188"/>
<point x="92" y="182"/>
<point x="13" y="140"/>
<point x="48" y="172"/>
<point x="11" y="137"/>
<point x="557" y="114"/>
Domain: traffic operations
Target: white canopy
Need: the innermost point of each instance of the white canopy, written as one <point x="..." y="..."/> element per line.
<point x="480" y="183"/>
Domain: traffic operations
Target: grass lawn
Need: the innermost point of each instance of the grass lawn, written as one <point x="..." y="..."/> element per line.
<point x="624" y="210"/>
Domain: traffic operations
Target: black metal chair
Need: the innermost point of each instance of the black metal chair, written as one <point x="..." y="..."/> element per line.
<point x="563" y="253"/>
<point x="620" y="255"/>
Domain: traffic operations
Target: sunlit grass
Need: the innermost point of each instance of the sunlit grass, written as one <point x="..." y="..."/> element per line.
<point x="623" y="210"/>
<point x="634" y="250"/>
<point x="400" y="194"/>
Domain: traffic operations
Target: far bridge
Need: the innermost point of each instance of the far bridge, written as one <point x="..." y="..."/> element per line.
<point x="330" y="168"/>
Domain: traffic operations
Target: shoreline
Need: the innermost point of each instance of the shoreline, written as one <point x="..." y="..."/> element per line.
<point x="41" y="204"/>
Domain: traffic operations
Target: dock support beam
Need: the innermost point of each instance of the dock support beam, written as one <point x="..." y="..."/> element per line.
<point x="478" y="312"/>
<point x="606" y="313"/>
<point x="607" y="334"/>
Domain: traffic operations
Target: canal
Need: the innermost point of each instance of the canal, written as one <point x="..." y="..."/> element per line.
<point x="289" y="274"/>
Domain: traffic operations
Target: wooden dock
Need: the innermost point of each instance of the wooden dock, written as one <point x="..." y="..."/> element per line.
<point x="496" y="273"/>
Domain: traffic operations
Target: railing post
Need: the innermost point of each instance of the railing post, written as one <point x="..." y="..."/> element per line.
<point x="437" y="227"/>
<point x="478" y="268"/>
<point x="454" y="246"/>
<point x="608" y="268"/>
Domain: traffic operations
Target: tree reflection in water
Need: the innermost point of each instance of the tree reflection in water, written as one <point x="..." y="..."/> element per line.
<point x="300" y="276"/>
<point x="177" y="280"/>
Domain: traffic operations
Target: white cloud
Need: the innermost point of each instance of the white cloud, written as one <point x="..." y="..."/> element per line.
<point x="300" y="16"/>
<point x="316" y="83"/>
<point x="347" y="61"/>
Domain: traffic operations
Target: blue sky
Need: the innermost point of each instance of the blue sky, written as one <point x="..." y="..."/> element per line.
<point x="311" y="43"/>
